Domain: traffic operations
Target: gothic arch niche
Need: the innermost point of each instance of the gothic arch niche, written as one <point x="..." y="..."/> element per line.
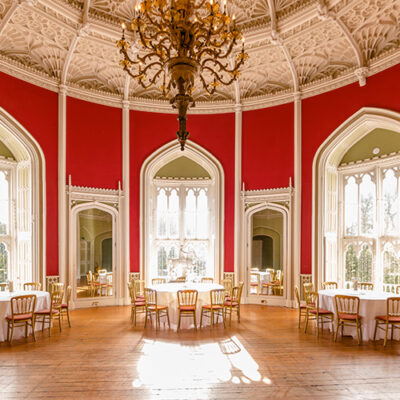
<point x="27" y="246"/>
<point x="327" y="218"/>
<point x="150" y="185"/>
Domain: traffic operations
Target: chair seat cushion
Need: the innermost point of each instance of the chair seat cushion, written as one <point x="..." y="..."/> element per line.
<point x="348" y="317"/>
<point x="253" y="284"/>
<point x="140" y="303"/>
<point x="321" y="311"/>
<point x="46" y="311"/>
<point x="20" y="317"/>
<point x="230" y="303"/>
<point x="187" y="308"/>
<point x="391" y="319"/>
<point x="302" y="307"/>
<point x="214" y="307"/>
<point x="140" y="298"/>
<point x="64" y="305"/>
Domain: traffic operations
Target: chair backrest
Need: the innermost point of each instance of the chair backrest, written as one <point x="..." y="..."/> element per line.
<point x="297" y="294"/>
<point x="3" y="287"/>
<point x="158" y="281"/>
<point x="254" y="269"/>
<point x="89" y="277"/>
<point x="241" y="285"/>
<point x="32" y="286"/>
<point x="56" y="287"/>
<point x="398" y="289"/>
<point x="308" y="287"/>
<point x="56" y="299"/>
<point x="131" y="289"/>
<point x="23" y="305"/>
<point x="255" y="277"/>
<point x="237" y="292"/>
<point x="68" y="294"/>
<point x="187" y="297"/>
<point x="393" y="307"/>
<point x="329" y="285"/>
<point x="312" y="300"/>
<point x="217" y="297"/>
<point x="150" y="296"/>
<point x="102" y="271"/>
<point x="365" y="286"/>
<point x="138" y="288"/>
<point x="109" y="278"/>
<point x="181" y="279"/>
<point x="347" y="304"/>
<point x="227" y="284"/>
<point x="207" y="280"/>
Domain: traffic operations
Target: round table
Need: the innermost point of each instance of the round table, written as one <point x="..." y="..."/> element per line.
<point x="42" y="302"/>
<point x="166" y="295"/>
<point x="372" y="303"/>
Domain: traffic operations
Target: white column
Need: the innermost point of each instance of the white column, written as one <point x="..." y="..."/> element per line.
<point x="297" y="190"/>
<point x="62" y="201"/>
<point x="125" y="186"/>
<point x="238" y="183"/>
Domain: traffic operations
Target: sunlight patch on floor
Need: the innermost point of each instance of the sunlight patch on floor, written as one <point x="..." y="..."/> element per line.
<point x="167" y="365"/>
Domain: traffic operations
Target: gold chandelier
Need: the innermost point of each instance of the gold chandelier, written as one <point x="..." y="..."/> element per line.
<point x="179" y="41"/>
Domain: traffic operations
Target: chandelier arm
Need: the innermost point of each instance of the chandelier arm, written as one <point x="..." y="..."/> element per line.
<point x="126" y="57"/>
<point x="210" y="92"/>
<point x="128" y="71"/>
<point x="219" y="77"/>
<point x="151" y="65"/>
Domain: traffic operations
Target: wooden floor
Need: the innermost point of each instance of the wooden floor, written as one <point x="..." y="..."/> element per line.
<point x="264" y="357"/>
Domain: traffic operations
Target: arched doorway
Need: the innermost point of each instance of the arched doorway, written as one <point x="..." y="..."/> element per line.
<point x="22" y="198"/>
<point x="182" y="209"/>
<point x="345" y="191"/>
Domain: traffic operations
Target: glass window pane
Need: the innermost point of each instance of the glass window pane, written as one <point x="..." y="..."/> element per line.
<point x="202" y="215"/>
<point x="3" y="263"/>
<point x="173" y="214"/>
<point x="351" y="207"/>
<point x="367" y="206"/>
<point x="4" y="204"/>
<point x="161" y="214"/>
<point x="190" y="215"/>
<point x="390" y="211"/>
<point x="161" y="261"/>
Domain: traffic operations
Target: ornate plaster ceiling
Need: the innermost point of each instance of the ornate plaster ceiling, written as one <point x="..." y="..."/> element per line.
<point x="296" y="47"/>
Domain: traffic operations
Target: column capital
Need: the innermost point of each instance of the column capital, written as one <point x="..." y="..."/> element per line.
<point x="62" y="89"/>
<point x="126" y="104"/>
<point x="297" y="96"/>
<point x="238" y="107"/>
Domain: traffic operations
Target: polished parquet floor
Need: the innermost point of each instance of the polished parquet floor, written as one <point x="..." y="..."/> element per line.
<point x="264" y="357"/>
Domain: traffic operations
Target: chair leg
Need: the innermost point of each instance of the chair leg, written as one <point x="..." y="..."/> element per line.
<point x="306" y="324"/>
<point x="391" y="336"/>
<point x="299" y="317"/>
<point x="223" y="318"/>
<point x="337" y="330"/>
<point x="212" y="318"/>
<point x="59" y="320"/>
<point x="33" y="329"/>
<point x="169" y="325"/>
<point x="145" y="320"/>
<point x="179" y="321"/>
<point x="238" y="313"/>
<point x="318" y="321"/>
<point x="386" y="333"/>
<point x="26" y="329"/>
<point x="376" y="328"/>
<point x="201" y="317"/>
<point x="195" y="322"/>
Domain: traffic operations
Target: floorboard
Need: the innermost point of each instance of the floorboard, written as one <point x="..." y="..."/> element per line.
<point x="265" y="356"/>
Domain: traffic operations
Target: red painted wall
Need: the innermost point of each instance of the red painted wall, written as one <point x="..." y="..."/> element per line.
<point x="322" y="115"/>
<point x="94" y="144"/>
<point x="215" y="133"/>
<point x="267" y="149"/>
<point x="36" y="110"/>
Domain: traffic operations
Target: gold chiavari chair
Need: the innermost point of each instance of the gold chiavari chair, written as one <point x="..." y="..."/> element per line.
<point x="158" y="281"/>
<point x="109" y="283"/>
<point x="365" y="286"/>
<point x="90" y="283"/>
<point x="187" y="302"/>
<point x="398" y="289"/>
<point x="227" y="284"/>
<point x="56" y="287"/>
<point x="307" y="288"/>
<point x="391" y="318"/>
<point x="215" y="308"/>
<point x="277" y="288"/>
<point x="234" y="303"/>
<point x="329" y="285"/>
<point x="102" y="271"/>
<point x="181" y="279"/>
<point x="302" y="309"/>
<point x="32" y="286"/>
<point x="152" y="307"/>
<point x="138" y="285"/>
<point x="65" y="306"/>
<point x="255" y="281"/>
<point x="138" y="304"/>
<point x="348" y="314"/>
<point x="22" y="314"/>
<point x="3" y="287"/>
<point x="53" y="313"/>
<point x="207" y="280"/>
<point x="313" y="311"/>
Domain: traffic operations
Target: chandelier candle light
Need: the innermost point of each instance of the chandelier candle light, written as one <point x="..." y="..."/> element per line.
<point x="180" y="41"/>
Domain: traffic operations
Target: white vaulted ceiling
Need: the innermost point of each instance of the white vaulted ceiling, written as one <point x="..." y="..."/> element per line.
<point x="307" y="46"/>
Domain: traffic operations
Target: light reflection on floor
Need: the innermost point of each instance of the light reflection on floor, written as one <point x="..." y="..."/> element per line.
<point x="166" y="365"/>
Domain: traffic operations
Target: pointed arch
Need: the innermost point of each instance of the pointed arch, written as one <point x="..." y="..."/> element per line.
<point x="211" y="164"/>
<point x="31" y="168"/>
<point x="325" y="180"/>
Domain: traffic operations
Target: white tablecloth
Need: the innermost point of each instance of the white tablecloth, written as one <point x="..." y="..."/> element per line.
<point x="42" y="302"/>
<point x="371" y="304"/>
<point x="166" y="295"/>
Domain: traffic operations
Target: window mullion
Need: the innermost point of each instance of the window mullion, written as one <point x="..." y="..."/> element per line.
<point x="378" y="270"/>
